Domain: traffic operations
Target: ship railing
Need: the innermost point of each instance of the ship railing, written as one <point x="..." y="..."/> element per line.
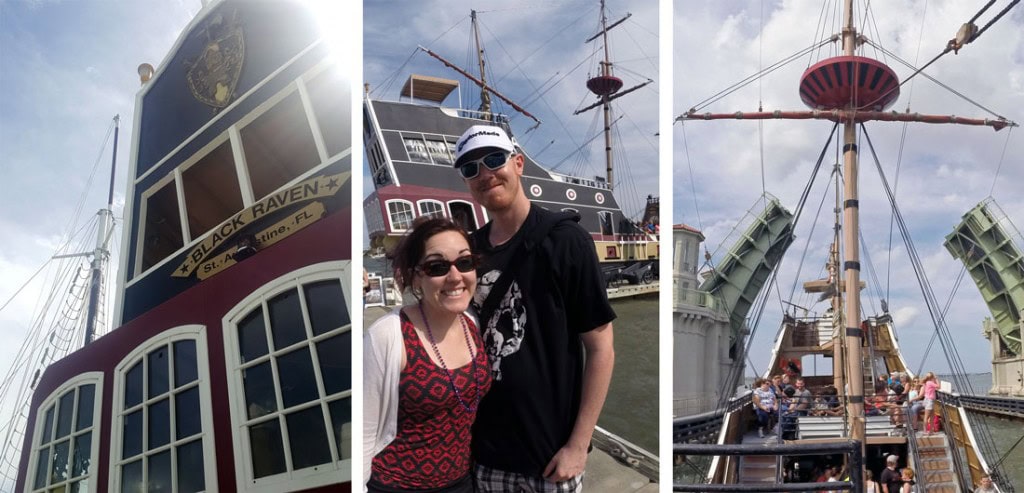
<point x="850" y="448"/>
<point x="575" y="180"/>
<point x="922" y="482"/>
<point x="704" y="427"/>
<point x="486" y="116"/>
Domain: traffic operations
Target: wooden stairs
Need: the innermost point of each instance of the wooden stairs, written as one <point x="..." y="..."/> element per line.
<point x="935" y="464"/>
<point x="757" y="469"/>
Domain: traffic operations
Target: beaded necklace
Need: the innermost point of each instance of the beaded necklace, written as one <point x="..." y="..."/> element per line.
<point x="472" y="359"/>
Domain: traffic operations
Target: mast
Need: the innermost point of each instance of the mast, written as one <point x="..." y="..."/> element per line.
<point x="606" y="86"/>
<point x="485" y="96"/>
<point x="101" y="254"/>
<point x="852" y="335"/>
<point x="606" y="71"/>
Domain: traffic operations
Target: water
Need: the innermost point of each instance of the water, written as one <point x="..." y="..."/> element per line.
<point x="1005" y="433"/>
<point x="631" y="409"/>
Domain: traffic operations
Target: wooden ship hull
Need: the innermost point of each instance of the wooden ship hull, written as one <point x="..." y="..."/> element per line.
<point x="229" y="369"/>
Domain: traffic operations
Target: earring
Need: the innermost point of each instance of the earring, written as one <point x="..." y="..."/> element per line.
<point x="417" y="292"/>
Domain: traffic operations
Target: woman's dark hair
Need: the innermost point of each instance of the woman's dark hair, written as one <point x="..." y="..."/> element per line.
<point x="407" y="255"/>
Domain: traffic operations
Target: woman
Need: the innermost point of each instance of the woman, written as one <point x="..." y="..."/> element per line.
<point x="432" y="344"/>
<point x="929" y="386"/>
<point x="870" y="486"/>
<point x="764" y="405"/>
<point x="916" y="400"/>
<point x="908" y="480"/>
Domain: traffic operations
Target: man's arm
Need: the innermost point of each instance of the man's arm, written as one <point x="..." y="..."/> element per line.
<point x="571" y="459"/>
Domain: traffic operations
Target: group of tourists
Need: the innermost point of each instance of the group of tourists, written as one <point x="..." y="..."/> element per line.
<point x="494" y="378"/>
<point x="778" y="403"/>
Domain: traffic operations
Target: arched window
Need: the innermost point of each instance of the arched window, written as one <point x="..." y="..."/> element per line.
<point x="162" y="436"/>
<point x="400" y="215"/>
<point x="289" y="368"/>
<point x="65" y="442"/>
<point x="462" y="214"/>
<point x="431" y="208"/>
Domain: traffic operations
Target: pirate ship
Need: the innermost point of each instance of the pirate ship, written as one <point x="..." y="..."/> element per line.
<point x="229" y="369"/>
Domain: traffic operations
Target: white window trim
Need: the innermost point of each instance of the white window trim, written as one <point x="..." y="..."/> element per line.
<point x="419" y="207"/>
<point x="472" y="209"/>
<point x="94" y="377"/>
<point x="310" y="477"/>
<point x="184" y="332"/>
<point x="387" y="211"/>
<point x="232" y="133"/>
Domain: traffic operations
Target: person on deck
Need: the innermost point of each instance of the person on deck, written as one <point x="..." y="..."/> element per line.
<point x="547" y="327"/>
<point x="891" y="480"/>
<point x="986" y="486"/>
<point x="929" y="386"/>
<point x="764" y="405"/>
<point x="802" y="398"/>
<point x="425" y="370"/>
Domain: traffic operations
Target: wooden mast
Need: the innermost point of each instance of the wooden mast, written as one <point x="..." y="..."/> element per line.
<point x="485" y="96"/>
<point x="852" y="333"/>
<point x="606" y="71"/>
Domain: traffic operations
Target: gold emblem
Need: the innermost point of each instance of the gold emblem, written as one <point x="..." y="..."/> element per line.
<point x="213" y="76"/>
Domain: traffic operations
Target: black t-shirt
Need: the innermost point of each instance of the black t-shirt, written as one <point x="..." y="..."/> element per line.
<point x="893" y="479"/>
<point x="533" y="342"/>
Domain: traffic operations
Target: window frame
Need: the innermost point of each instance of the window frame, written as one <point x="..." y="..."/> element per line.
<point x="442" y="210"/>
<point x="601" y="215"/>
<point x="391" y="222"/>
<point x="192" y="332"/>
<point x="313" y="476"/>
<point x="232" y="134"/>
<point x="53" y="399"/>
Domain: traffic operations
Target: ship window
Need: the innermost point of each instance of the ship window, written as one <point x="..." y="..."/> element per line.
<point x="416" y="149"/>
<point x="605" y="218"/>
<point x="400" y="214"/>
<point x="162" y="230"/>
<point x="611" y="252"/>
<point x="431" y="208"/>
<point x="462" y="214"/>
<point x="439" y="152"/>
<point x="278" y="146"/>
<point x="161" y="430"/>
<point x="211" y="190"/>
<point x="292" y="382"/>
<point x="65" y="444"/>
<point x="329" y="92"/>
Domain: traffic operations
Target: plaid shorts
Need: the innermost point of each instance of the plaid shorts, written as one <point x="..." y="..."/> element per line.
<point x="497" y="481"/>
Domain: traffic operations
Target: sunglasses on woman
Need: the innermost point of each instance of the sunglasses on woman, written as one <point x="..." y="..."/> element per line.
<point x="494" y="161"/>
<point x="441" y="267"/>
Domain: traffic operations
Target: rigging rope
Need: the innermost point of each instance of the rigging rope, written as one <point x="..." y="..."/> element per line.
<point x="945" y="339"/>
<point x="750" y="78"/>
<point x="693" y="183"/>
<point x="999" y="167"/>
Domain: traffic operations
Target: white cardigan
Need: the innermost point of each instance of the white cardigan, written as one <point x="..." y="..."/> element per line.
<point x="383" y="347"/>
<point x="382" y="368"/>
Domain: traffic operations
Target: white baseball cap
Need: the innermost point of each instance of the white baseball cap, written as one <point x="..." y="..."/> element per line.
<point x="482" y="136"/>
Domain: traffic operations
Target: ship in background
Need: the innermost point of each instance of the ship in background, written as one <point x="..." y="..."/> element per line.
<point x="229" y="369"/>
<point x="851" y="343"/>
<point x="410" y="148"/>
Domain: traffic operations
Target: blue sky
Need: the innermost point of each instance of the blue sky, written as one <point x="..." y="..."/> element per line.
<point x="944" y="170"/>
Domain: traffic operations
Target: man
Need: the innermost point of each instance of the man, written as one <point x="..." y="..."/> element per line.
<point x="891" y="479"/>
<point x="802" y="398"/>
<point x="534" y="427"/>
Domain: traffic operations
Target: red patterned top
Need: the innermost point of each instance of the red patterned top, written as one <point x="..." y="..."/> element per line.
<point x="431" y="448"/>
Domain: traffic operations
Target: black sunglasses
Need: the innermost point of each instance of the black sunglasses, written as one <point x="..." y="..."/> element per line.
<point x="441" y="267"/>
<point x="494" y="161"/>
